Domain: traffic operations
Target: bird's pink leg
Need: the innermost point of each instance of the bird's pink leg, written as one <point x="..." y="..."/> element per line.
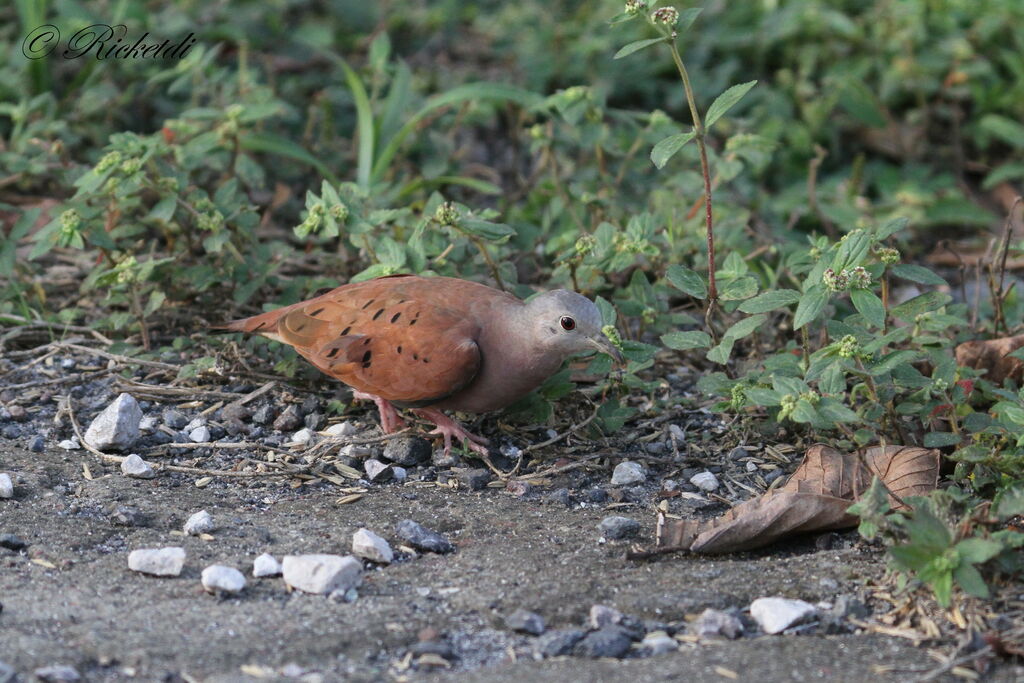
<point x="389" y="419"/>
<point x="449" y="428"/>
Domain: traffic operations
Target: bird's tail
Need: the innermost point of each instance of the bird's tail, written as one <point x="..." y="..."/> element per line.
<point x="264" y="323"/>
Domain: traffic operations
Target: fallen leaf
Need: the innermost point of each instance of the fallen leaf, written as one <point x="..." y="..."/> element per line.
<point x="992" y="355"/>
<point x="815" y="498"/>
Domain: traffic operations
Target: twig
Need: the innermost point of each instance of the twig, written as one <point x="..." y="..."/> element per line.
<point x="561" y="469"/>
<point x="640" y="553"/>
<point x="59" y="380"/>
<point x="571" y="430"/>
<point x="117" y="357"/>
<point x="28" y="322"/>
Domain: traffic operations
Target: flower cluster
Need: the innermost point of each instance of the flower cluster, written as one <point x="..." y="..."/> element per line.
<point x="888" y="256"/>
<point x="666" y="15"/>
<point x="634" y="7"/>
<point x="447" y="214"/>
<point x="849" y="347"/>
<point x="855" y="278"/>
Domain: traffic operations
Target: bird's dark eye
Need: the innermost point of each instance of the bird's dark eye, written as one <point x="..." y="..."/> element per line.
<point x="568" y="323"/>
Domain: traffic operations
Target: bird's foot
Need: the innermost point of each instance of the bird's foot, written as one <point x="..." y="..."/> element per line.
<point x="449" y="428"/>
<point x="389" y="418"/>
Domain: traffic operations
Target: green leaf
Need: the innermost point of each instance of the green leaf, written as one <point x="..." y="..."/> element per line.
<point x="763" y="397"/>
<point x="890" y="228"/>
<point x="687" y="17"/>
<point x="364" y="123"/>
<point x="918" y="274"/>
<point x="683" y="341"/>
<point x="811" y="304"/>
<point x="1010" y="502"/>
<point x="861" y="103"/>
<point x="486" y="229"/>
<point x="725" y="102"/>
<point x="833" y="410"/>
<point x="665" y="149"/>
<point x="891" y="361"/>
<point x="969" y="578"/>
<point x="852" y="250"/>
<point x="744" y="327"/>
<point x="833" y="380"/>
<point x="275" y="144"/>
<point x="1009" y="131"/>
<point x="740" y="288"/>
<point x="636" y="46"/>
<point x="940" y="439"/>
<point x="977" y="550"/>
<point x="686" y="280"/>
<point x="869" y="306"/>
<point x="9" y="245"/>
<point x="720" y="354"/>
<point x="929" y="301"/>
<point x="770" y="300"/>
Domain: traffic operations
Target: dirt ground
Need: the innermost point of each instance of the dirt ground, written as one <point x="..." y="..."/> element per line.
<point x="69" y="598"/>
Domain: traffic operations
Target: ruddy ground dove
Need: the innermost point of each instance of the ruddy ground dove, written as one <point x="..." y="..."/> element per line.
<point x="435" y="343"/>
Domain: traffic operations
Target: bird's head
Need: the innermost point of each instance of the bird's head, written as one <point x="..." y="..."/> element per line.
<point x="569" y="323"/>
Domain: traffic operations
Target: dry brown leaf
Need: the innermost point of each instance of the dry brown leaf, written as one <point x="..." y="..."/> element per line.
<point x="815" y="498"/>
<point x="991" y="355"/>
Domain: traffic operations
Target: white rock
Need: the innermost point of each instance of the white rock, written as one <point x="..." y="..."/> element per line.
<point x="196" y="423"/>
<point x="775" y="615"/>
<point x="751" y="466"/>
<point x="200" y="434"/>
<point x="304" y="435"/>
<point x="603" y="615"/>
<point x="627" y="473"/>
<point x="354" y="450"/>
<point x="705" y="481"/>
<point x="399" y="474"/>
<point x="199" y="523"/>
<point x="148" y="423"/>
<point x="345" y="428"/>
<point x="220" y="579"/>
<point x="6" y="486"/>
<point x="117" y="427"/>
<point x="660" y="643"/>
<point x="321" y="574"/>
<point x="157" y="561"/>
<point x="134" y="466"/>
<point x="70" y="444"/>
<point x="677" y="432"/>
<point x="713" y="622"/>
<point x="60" y="673"/>
<point x="369" y="545"/>
<point x="266" y="565"/>
<point x="377" y="470"/>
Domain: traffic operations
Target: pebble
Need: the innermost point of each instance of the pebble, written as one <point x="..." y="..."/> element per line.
<point x="37" y="444"/>
<point x="773" y="475"/>
<point x="655" y="447"/>
<point x="266" y="565"/>
<point x="355" y="451"/>
<point x="117" y="427"/>
<point x="525" y="621"/>
<point x="11" y="431"/>
<point x="174" y="419"/>
<point x="196" y="423"/>
<point x="70" y="444"/>
<point x="17" y="413"/>
<point x="6" y="486"/>
<point x="713" y="622"/>
<point x="59" y="673"/>
<point x="124" y="515"/>
<point x="147" y="424"/>
<point x="263" y="415"/>
<point x="705" y="481"/>
<point x="315" y="421"/>
<point x="157" y="561"/>
<point x="409" y="452"/>
<point x="304" y="435"/>
<point x="68" y="363"/>
<point x="12" y="542"/>
<point x="474" y="479"/>
<point x="322" y="574"/>
<point x="558" y="642"/>
<point x="677" y="432"/>
<point x="627" y="473"/>
<point x="519" y="488"/>
<point x="775" y="615"/>
<point x="289" y="420"/>
<point x="200" y="434"/>
<point x="751" y="466"/>
<point x="659" y="642"/>
<point x="218" y="578"/>
<point x="560" y="496"/>
<point x="377" y="471"/>
<point x="199" y="523"/>
<point x="616" y="527"/>
<point x="602" y="615"/>
<point x="235" y="411"/>
<point x="422" y="538"/>
<point x="370" y="546"/>
<point x="441" y="459"/>
<point x="399" y="474"/>
<point x="137" y="468"/>
<point x="7" y="673"/>
<point x="611" y="641"/>
<point x="345" y="428"/>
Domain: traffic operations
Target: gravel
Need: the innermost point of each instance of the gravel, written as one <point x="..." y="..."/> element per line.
<point x="220" y="579"/>
<point x="705" y="481"/>
<point x="713" y="622"/>
<point x="289" y="420"/>
<point x="422" y="538"/>
<point x="117" y="427"/>
<point x="616" y="527"/>
<point x="525" y="621"/>
<point x="610" y="641"/>
<point x="370" y="546"/>
<point x="266" y="565"/>
<point x="602" y="616"/>
<point x="137" y="468"/>
<point x="558" y="642"/>
<point x="628" y="473"/>
<point x="322" y="574"/>
<point x="6" y="486"/>
<point x="199" y="523"/>
<point x="775" y="615"/>
<point x="409" y="451"/>
<point x="157" y="561"/>
<point x="377" y="471"/>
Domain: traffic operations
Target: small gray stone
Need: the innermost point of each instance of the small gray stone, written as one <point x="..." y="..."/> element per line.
<point x="196" y="423"/>
<point x="137" y="468"/>
<point x="705" y="481"/>
<point x="659" y="643"/>
<point x="322" y="574"/>
<point x="123" y="515"/>
<point x="602" y="615"/>
<point x="37" y="444"/>
<point x="345" y="428"/>
<point x="713" y="622"/>
<point x="218" y="578"/>
<point x="289" y="420"/>
<point x="147" y="424"/>
<point x="12" y="542"/>
<point x="6" y="486"/>
<point x="200" y="434"/>
<point x="775" y="615"/>
<point x="370" y="546"/>
<point x="70" y="444"/>
<point x="616" y="527"/>
<point x="655" y="447"/>
<point x="304" y="435"/>
<point x="610" y="641"/>
<point x="68" y="363"/>
<point x="263" y="415"/>
<point x="376" y="471"/>
<point x="174" y="419"/>
<point x="7" y="673"/>
<point x="525" y="621"/>
<point x="235" y="411"/>
<point x="157" y="561"/>
<point x="266" y="565"/>
<point x="314" y="421"/>
<point x="117" y="427"/>
<point x="17" y="413"/>
<point x="474" y="479"/>
<point x="421" y="538"/>
<point x="59" y="673"/>
<point x="558" y="642"/>
<point x="628" y="473"/>
<point x="399" y="474"/>
<point x="409" y="451"/>
<point x="199" y="523"/>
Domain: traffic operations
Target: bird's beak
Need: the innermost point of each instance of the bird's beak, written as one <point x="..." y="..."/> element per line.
<point x="604" y="345"/>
